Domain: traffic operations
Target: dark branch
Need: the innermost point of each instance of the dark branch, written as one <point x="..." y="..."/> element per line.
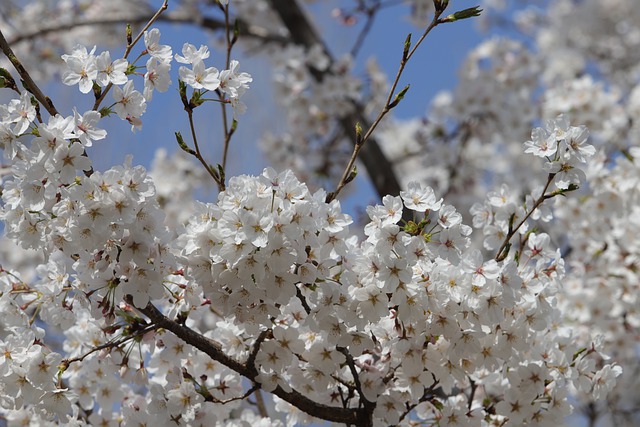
<point x="214" y="350"/>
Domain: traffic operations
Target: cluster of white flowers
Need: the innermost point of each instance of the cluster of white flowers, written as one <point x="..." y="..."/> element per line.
<point x="413" y="307"/>
<point x="602" y="292"/>
<point x="589" y="103"/>
<point x="410" y="318"/>
<point x="414" y="323"/>
<point x="465" y="145"/>
<point x="233" y="83"/>
<point x="86" y="70"/>
<point x="104" y="236"/>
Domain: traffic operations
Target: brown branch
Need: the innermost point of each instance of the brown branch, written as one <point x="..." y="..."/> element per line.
<point x="251" y="360"/>
<point x="213" y="349"/>
<point x="427" y="395"/>
<point x="356" y="378"/>
<point x="262" y="408"/>
<point x="303" y="300"/>
<point x="26" y="78"/>
<point x="254" y="389"/>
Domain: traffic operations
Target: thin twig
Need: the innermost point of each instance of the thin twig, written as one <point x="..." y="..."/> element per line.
<point x="499" y="255"/>
<point x="223" y="104"/>
<point x="472" y="393"/>
<point x="251" y="360"/>
<point x="426" y="396"/>
<point x="262" y="408"/>
<point x="356" y="378"/>
<point x="303" y="300"/>
<point x="153" y="19"/>
<point x="387" y="107"/>
<point x="303" y="33"/>
<point x="198" y="154"/>
<point x="108" y="344"/>
<point x="244" y="29"/>
<point x="254" y="389"/>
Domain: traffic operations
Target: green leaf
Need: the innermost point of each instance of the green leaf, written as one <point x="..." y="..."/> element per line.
<point x="407" y="46"/>
<point x="399" y="97"/>
<point x="358" y="133"/>
<point x="463" y="14"/>
<point x="183" y="144"/>
<point x="352" y="175"/>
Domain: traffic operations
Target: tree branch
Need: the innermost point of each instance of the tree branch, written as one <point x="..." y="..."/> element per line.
<point x="213" y="349"/>
<point x="356" y="378"/>
<point x="244" y="29"/>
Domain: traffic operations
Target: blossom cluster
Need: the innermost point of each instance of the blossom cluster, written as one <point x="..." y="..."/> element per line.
<point x="601" y="295"/>
<point x="414" y="307"/>
<point x="86" y="70"/>
<point x="103" y="233"/>
<point x="411" y="316"/>
<point x="104" y="237"/>
<point x="408" y="319"/>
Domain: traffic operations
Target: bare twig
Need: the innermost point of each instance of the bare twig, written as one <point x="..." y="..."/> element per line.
<point x="254" y="389"/>
<point x="245" y="30"/>
<point x="356" y="378"/>
<point x="251" y="360"/>
<point x="303" y="300"/>
<point x="472" y="393"/>
<point x="262" y="408"/>
<point x="223" y="104"/>
<point x="427" y="395"/>
<point x="512" y="230"/>
<point x="153" y="19"/>
<point x="371" y="14"/>
<point x="108" y="344"/>
<point x="388" y="105"/>
<point x="198" y="154"/>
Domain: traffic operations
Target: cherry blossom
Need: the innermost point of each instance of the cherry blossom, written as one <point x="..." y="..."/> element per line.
<point x="266" y="302"/>
<point x="83" y="69"/>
